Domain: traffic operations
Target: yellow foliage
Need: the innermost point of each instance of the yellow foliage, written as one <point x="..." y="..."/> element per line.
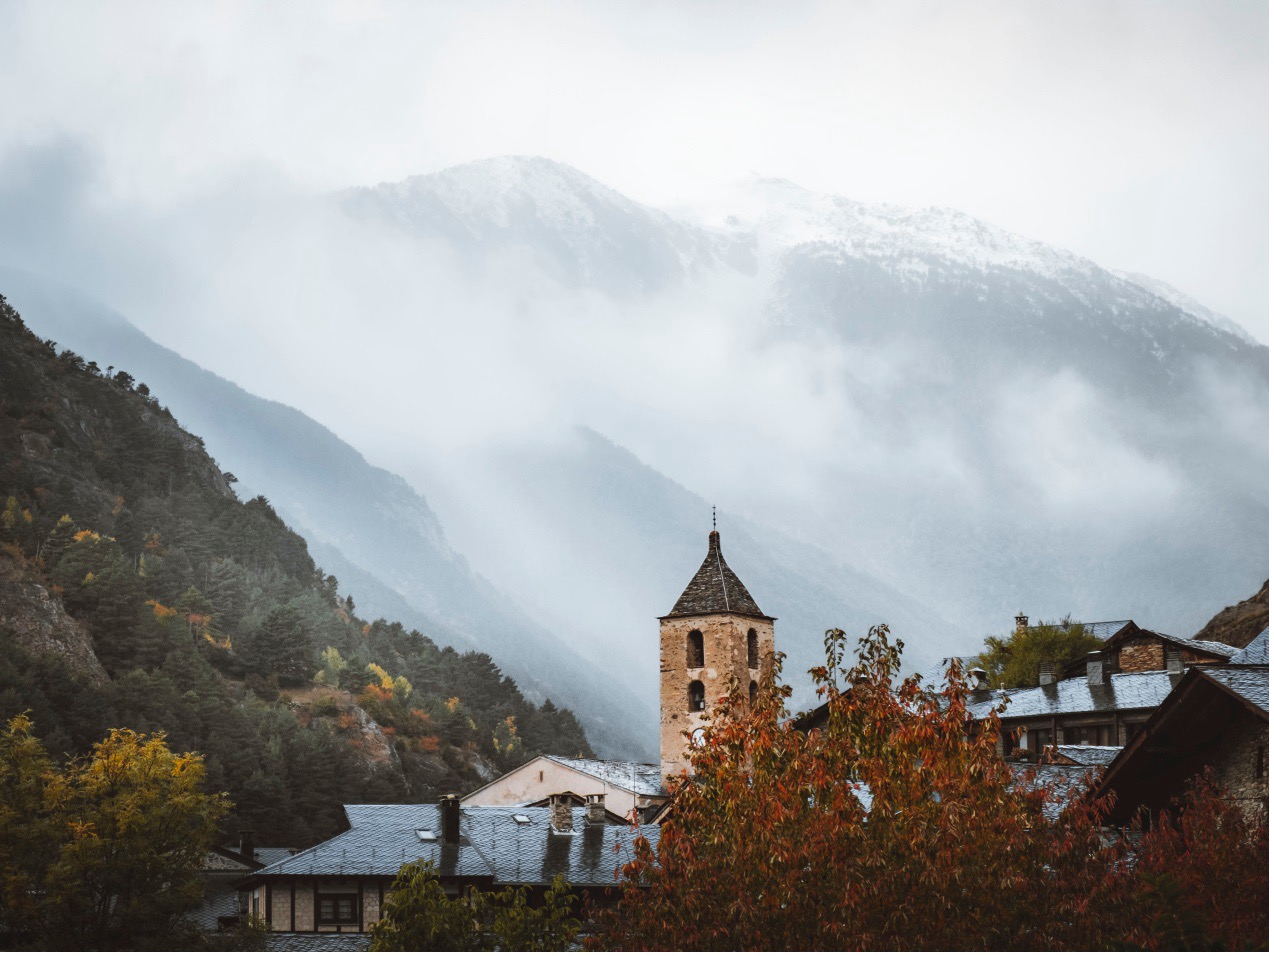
<point x="88" y="578"/>
<point x="87" y="535"/>
<point x="161" y="613"/>
<point x="453" y="703"/>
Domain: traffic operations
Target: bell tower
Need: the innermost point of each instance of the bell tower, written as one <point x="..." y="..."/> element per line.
<point x="713" y="632"/>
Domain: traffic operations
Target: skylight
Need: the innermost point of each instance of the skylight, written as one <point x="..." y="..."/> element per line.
<point x="426" y="834"/>
<point x="521" y="818"/>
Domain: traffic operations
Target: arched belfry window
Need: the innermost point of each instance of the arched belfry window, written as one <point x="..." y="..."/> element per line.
<point x="694" y="649"/>
<point x="696" y="695"/>
<point x="752" y="691"/>
<point x="753" y="654"/>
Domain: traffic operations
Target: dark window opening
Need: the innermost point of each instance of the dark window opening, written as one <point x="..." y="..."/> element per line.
<point x="694" y="650"/>
<point x="752" y="693"/>
<point x="753" y="655"/>
<point x="696" y="695"/>
<point x="336" y="908"/>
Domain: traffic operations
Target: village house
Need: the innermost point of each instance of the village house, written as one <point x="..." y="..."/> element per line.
<point x="1218" y="715"/>
<point x="340" y="885"/>
<point x="630" y="790"/>
<point x="224" y="868"/>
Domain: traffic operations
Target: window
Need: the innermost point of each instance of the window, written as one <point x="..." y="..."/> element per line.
<point x="696" y="695"/>
<point x="338" y="908"/>
<point x="752" y="693"/>
<point x="694" y="650"/>
<point x="753" y="655"/>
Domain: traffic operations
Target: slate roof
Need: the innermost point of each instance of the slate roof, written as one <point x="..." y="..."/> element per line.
<point x="1253" y="685"/>
<point x="1210" y="647"/>
<point x="1064" y="783"/>
<point x="1257" y="652"/>
<point x="532" y="853"/>
<point x="382" y="837"/>
<point x="318" y="942"/>
<point x="715" y="589"/>
<point x="1105" y="630"/>
<point x="644" y="779"/>
<point x="1089" y="755"/>
<point x="1074" y="695"/>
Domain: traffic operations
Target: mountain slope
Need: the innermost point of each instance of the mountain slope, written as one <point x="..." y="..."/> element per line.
<point x="364" y="520"/>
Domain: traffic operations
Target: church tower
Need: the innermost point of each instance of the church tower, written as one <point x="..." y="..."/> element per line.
<point x="713" y="632"/>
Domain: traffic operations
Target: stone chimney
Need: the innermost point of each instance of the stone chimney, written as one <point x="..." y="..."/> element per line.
<point x="1021" y="621"/>
<point x="450" y="811"/>
<point x="560" y="813"/>
<point x="1048" y="677"/>
<point x="248" y="844"/>
<point x="1096" y="669"/>
<point x="595" y="812"/>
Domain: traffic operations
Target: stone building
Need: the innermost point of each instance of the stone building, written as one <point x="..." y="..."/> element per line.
<point x="715" y="635"/>
<point x="1217" y="716"/>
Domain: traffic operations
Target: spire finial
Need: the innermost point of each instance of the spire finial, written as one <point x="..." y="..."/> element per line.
<point x="714" y="517"/>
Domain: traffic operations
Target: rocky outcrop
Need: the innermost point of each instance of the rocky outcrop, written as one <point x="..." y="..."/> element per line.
<point x="38" y="623"/>
<point x="338" y="713"/>
<point x="1238" y="624"/>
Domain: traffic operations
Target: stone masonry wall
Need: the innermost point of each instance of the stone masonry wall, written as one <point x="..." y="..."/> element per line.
<point x="1142" y="654"/>
<point x="725" y="653"/>
<point x="1243" y="767"/>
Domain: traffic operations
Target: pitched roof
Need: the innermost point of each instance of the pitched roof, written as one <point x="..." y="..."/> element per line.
<point x="1105" y="630"/>
<point x="1133" y="691"/>
<point x="493" y="843"/>
<point x="1252" y="684"/>
<point x="1210" y="647"/>
<point x="715" y="589"/>
<point x="1257" y="652"/>
<point x="1064" y="783"/>
<point x="643" y="779"/>
<point x="1089" y="755"/>
<point x="533" y="853"/>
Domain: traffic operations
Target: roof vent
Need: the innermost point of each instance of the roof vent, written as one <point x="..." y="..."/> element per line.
<point x="428" y="836"/>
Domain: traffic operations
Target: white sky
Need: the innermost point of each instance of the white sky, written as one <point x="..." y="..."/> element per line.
<point x="1135" y="133"/>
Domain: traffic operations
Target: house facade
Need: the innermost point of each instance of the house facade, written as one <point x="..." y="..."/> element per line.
<point x="340" y="886"/>
<point x="630" y="790"/>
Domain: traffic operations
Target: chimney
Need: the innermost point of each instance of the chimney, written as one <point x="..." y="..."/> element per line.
<point x="1173" y="664"/>
<point x="1048" y="676"/>
<point x="450" y="810"/>
<point x="1022" y="621"/>
<point x="1096" y="669"/>
<point x="560" y="813"/>
<point x="979" y="679"/>
<point x="248" y="844"/>
<point x="595" y="814"/>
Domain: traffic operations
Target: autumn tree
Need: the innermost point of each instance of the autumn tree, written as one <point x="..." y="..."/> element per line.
<point x="894" y="826"/>
<point x="1014" y="661"/>
<point x="106" y="853"/>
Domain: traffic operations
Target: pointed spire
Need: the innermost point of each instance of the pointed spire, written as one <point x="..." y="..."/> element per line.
<point x="715" y="589"/>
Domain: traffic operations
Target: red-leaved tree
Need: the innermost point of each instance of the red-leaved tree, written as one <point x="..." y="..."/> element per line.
<point x="894" y="826"/>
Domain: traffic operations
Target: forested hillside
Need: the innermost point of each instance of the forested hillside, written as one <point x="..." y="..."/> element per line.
<point x="136" y="590"/>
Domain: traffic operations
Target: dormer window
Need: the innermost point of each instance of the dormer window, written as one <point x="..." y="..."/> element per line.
<point x="694" y="650"/>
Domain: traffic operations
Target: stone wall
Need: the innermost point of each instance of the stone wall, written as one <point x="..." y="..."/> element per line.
<point x="725" y="655"/>
<point x="1243" y="767"/>
<point x="1142" y="654"/>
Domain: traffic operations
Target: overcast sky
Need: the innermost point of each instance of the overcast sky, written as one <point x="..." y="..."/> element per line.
<point x="1135" y="133"/>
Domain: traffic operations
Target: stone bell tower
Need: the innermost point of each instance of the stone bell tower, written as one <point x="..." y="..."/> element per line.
<point x="713" y="632"/>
